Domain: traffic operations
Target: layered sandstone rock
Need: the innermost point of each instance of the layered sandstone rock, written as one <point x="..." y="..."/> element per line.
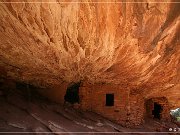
<point x="133" y="45"/>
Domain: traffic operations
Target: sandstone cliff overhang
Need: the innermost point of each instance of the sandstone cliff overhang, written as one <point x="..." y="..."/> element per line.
<point x="133" y="45"/>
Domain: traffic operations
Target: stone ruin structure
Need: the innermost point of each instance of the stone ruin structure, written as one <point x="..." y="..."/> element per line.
<point x="158" y="108"/>
<point x="121" y="106"/>
<point x="114" y="103"/>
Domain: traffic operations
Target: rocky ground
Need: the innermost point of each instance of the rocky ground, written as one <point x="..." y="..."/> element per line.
<point x="20" y="112"/>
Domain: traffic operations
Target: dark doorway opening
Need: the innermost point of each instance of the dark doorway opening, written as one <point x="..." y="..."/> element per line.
<point x="72" y="94"/>
<point x="157" y="111"/>
<point x="109" y="99"/>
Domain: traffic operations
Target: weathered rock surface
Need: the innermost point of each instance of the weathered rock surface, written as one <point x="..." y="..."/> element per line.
<point x="134" y="45"/>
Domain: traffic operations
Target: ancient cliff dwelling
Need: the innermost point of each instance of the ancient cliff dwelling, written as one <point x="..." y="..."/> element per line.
<point x="70" y="66"/>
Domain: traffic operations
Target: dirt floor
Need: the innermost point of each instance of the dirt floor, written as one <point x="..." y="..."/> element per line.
<point x="35" y="114"/>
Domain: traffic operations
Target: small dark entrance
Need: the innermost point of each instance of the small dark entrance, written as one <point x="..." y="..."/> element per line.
<point x="109" y="99"/>
<point x="157" y="108"/>
<point x="157" y="111"/>
<point x="72" y="94"/>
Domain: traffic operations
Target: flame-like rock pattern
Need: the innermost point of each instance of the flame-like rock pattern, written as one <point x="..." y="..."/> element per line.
<point x="132" y="44"/>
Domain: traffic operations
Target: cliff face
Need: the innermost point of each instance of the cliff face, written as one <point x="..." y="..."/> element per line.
<point x="134" y="45"/>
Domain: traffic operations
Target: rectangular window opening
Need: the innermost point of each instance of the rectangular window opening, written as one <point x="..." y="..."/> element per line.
<point x="109" y="99"/>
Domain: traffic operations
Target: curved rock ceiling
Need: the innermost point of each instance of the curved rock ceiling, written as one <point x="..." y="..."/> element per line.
<point x="134" y="45"/>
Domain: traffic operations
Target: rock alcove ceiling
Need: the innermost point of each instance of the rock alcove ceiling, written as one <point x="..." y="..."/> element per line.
<point x="133" y="45"/>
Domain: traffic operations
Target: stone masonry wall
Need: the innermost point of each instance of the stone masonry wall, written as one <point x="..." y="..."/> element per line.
<point x="136" y="110"/>
<point x="165" y="114"/>
<point x="127" y="111"/>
